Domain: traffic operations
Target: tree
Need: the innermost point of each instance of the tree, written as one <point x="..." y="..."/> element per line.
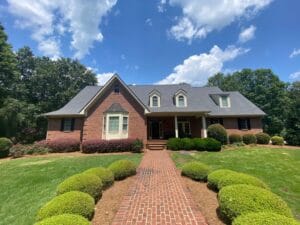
<point x="293" y="116"/>
<point x="263" y="88"/>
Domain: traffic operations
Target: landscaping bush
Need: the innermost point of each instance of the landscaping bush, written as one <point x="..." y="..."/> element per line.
<point x="240" y="178"/>
<point x="5" y="145"/>
<point x="236" y="200"/>
<point x="64" y="219"/>
<point x="64" y="145"/>
<point x="276" y="140"/>
<point x="122" y="169"/>
<point x="199" y="144"/>
<point x="249" y="139"/>
<point x="174" y="144"/>
<point x="262" y="138"/>
<point x="264" y="218"/>
<point x="120" y="145"/>
<point x="73" y="202"/>
<point x="212" y="144"/>
<point x="218" y="132"/>
<point x="214" y="177"/>
<point x="235" y="138"/>
<point x="87" y="183"/>
<point x="17" y="151"/>
<point x="187" y="144"/>
<point x="137" y="145"/>
<point x="106" y="175"/>
<point x="195" y="170"/>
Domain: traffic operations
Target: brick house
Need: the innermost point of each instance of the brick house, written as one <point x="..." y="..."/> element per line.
<point x="151" y="112"/>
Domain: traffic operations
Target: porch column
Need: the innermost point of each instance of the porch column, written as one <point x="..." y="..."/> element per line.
<point x="176" y="126"/>
<point x="204" y="131"/>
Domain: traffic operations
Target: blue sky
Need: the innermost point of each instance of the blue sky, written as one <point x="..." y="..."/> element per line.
<point x="161" y="41"/>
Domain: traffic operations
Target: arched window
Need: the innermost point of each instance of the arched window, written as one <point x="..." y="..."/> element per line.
<point x="154" y="101"/>
<point x="181" y="101"/>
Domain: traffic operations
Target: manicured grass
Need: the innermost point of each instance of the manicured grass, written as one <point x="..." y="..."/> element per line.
<point x="279" y="168"/>
<point x="27" y="184"/>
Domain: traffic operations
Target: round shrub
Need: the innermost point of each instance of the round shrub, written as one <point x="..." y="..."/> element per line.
<point x="73" y="202"/>
<point x="187" y="144"/>
<point x="235" y="138"/>
<point x="262" y="138"/>
<point x="236" y="200"/>
<point x="214" y="177"/>
<point x="218" y="132"/>
<point x="174" y="144"/>
<point x="122" y="169"/>
<point x="195" y="170"/>
<point x="87" y="183"/>
<point x="264" y="218"/>
<point x="249" y="139"/>
<point x="106" y="176"/>
<point x="240" y="178"/>
<point x="64" y="219"/>
<point x="212" y="145"/>
<point x="5" y="145"/>
<point x="199" y="144"/>
<point x="277" y="140"/>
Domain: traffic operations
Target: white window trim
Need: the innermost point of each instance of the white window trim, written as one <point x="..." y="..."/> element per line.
<point x="228" y="102"/>
<point x="183" y="123"/>
<point x="106" y="135"/>
<point x="177" y="100"/>
<point x="158" y="100"/>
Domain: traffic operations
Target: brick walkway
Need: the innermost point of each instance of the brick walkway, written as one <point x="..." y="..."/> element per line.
<point x="158" y="196"/>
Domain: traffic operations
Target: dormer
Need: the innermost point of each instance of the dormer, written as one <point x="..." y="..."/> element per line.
<point x="222" y="100"/>
<point x="154" y="99"/>
<point x="181" y="98"/>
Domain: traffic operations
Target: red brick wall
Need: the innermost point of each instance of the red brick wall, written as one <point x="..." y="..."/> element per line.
<point x="231" y="125"/>
<point x="93" y="124"/>
<point x="54" y="131"/>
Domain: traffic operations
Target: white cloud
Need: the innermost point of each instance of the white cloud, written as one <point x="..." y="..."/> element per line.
<point x="49" y="20"/>
<point x="295" y="76"/>
<point x="198" y="68"/>
<point x="295" y="53"/>
<point x="201" y="16"/>
<point x="102" y="78"/>
<point x="148" y="21"/>
<point x="161" y="5"/>
<point x="247" y="34"/>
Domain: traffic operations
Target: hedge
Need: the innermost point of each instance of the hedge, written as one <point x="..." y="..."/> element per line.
<point x="20" y="150"/>
<point x="5" y="145"/>
<point x="277" y="140"/>
<point x="87" y="183"/>
<point x="73" y="202"/>
<point x="218" y="132"/>
<point x="64" y="145"/>
<point x="174" y="144"/>
<point x="122" y="169"/>
<point x="195" y="170"/>
<point x="249" y="139"/>
<point x="187" y="143"/>
<point x="64" y="219"/>
<point x="212" y="145"/>
<point x="214" y="177"/>
<point x="199" y="144"/>
<point x="264" y="218"/>
<point x="240" y="199"/>
<point x="263" y="138"/>
<point x="106" y="175"/>
<point x="235" y="138"/>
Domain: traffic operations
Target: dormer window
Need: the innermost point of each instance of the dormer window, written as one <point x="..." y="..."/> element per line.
<point x="224" y="102"/>
<point x="154" y="101"/>
<point x="180" y="99"/>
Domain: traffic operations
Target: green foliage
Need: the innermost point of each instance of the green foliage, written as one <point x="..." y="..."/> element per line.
<point x="212" y="145"/>
<point x="137" y="145"/>
<point x="218" y="132"/>
<point x="106" y="175"/>
<point x="19" y="150"/>
<point x="249" y="139"/>
<point x="277" y="140"/>
<point x="73" y="202"/>
<point x="174" y="144"/>
<point x="235" y="138"/>
<point x="264" y="218"/>
<point x="187" y="144"/>
<point x="122" y="169"/>
<point x="236" y="200"/>
<point x="64" y="219"/>
<point x="5" y="145"/>
<point x="195" y="170"/>
<point x="214" y="177"/>
<point x="263" y="138"/>
<point x="87" y="183"/>
<point x="199" y="144"/>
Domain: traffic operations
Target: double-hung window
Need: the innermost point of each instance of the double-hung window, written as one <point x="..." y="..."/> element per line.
<point x="115" y="126"/>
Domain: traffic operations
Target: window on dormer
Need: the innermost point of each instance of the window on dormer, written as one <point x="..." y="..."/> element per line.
<point x="154" y="101"/>
<point x="181" y="101"/>
<point x="224" y="102"/>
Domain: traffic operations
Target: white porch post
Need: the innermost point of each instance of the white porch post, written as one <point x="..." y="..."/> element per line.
<point x="204" y="131"/>
<point x="176" y="126"/>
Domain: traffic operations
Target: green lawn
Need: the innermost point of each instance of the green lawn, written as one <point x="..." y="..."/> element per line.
<point x="28" y="183"/>
<point x="279" y="168"/>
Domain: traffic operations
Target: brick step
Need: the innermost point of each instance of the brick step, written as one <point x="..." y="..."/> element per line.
<point x="156" y="146"/>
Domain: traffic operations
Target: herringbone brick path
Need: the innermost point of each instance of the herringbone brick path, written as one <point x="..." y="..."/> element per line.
<point x="158" y="197"/>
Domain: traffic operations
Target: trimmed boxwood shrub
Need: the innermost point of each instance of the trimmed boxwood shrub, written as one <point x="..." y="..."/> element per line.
<point x="249" y="139"/>
<point x="119" y="145"/>
<point x="235" y="138"/>
<point x="277" y="140"/>
<point x="137" y="145"/>
<point x="5" y="145"/>
<point x="106" y="175"/>
<point x="236" y="200"/>
<point x="214" y="177"/>
<point x="64" y="145"/>
<point x="240" y="178"/>
<point x="87" y="183"/>
<point x="212" y="145"/>
<point x="64" y="219"/>
<point x="174" y="144"/>
<point x="187" y="144"/>
<point x="218" y="132"/>
<point x="195" y="170"/>
<point x="199" y="144"/>
<point x="262" y="138"/>
<point x="264" y="218"/>
<point x="73" y="202"/>
<point x="122" y="169"/>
